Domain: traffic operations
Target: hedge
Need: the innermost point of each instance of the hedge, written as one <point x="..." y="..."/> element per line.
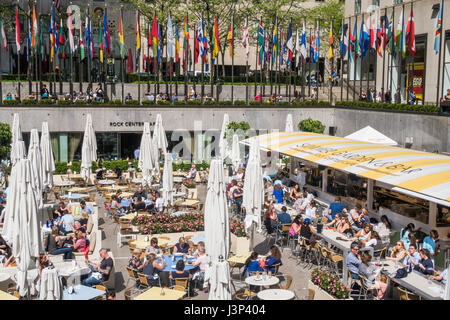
<point x="62" y="167"/>
<point x="389" y="106"/>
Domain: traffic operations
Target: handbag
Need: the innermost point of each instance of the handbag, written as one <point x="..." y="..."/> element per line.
<point x="401" y="273"/>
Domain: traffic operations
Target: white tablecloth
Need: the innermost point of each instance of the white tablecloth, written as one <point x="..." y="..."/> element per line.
<point x="50" y="287"/>
<point x="276" y="294"/>
<point x="262" y="280"/>
<point x="106" y="182"/>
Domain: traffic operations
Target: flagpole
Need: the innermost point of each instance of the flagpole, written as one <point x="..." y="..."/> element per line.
<point x="384" y="53"/>
<point x="368" y="60"/>
<point x="246" y="64"/>
<point x="277" y="62"/>
<point x="310" y="66"/>
<point x="232" y="59"/>
<point x="362" y="60"/>
<point x="37" y="62"/>
<point x="438" y="89"/>
<point x="30" y="57"/>
<point x="89" y="56"/>
<point x="217" y="65"/>
<point x="256" y="60"/>
<point x="80" y="74"/>
<point x="400" y="58"/>
<point x="304" y="62"/>
<point x="106" y="55"/>
<point x="261" y="73"/>
<point x="202" y="56"/>
<point x="289" y="68"/>
<point x="332" y="66"/>
<point x="138" y="69"/>
<point x="348" y="57"/>
<point x="270" y="53"/>
<point x="194" y="39"/>
<point x="411" y="78"/>
<point x="186" y="62"/>
<point x="355" y="61"/>
<point x="53" y="58"/>
<point x="158" y="67"/>
<point x="211" y="68"/>
<point x="390" y="56"/>
<point x="294" y="58"/>
<point x="342" y="63"/>
<point x="148" y="58"/>
<point x="155" y="68"/>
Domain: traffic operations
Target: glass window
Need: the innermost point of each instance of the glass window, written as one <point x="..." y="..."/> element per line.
<point x="107" y="146"/>
<point x="446" y="75"/>
<point x="398" y="1"/>
<point x="443" y="216"/>
<point x="376" y="3"/>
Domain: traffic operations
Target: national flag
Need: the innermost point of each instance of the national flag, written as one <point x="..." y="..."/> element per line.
<point x="351" y="42"/>
<point x="216" y="39"/>
<point x="230" y="39"/>
<point x="70" y="31"/>
<point x="51" y="32"/>
<point x="62" y="40"/>
<point x="260" y="42"/>
<point x="357" y="48"/>
<point x="42" y="43"/>
<point x="3" y="41"/>
<point x="364" y="40"/>
<point x="246" y="41"/>
<point x="372" y="33"/>
<point x="155" y="37"/>
<point x="82" y="53"/>
<point x="106" y="32"/>
<point x="17" y="31"/>
<point x="58" y="5"/>
<point x="275" y="50"/>
<point x="28" y="41"/>
<point x="290" y="45"/>
<point x="410" y="33"/>
<point x="121" y="40"/>
<point x="91" y="41"/>
<point x="437" y="34"/>
<point x="159" y="45"/>
<point x="379" y="40"/>
<point x="391" y="36"/>
<point x="311" y="45"/>
<point x="398" y="31"/>
<point x="100" y="41"/>
<point x="35" y="29"/>
<point x="344" y="41"/>
<point x="403" y="42"/>
<point x="282" y="46"/>
<point x="196" y="44"/>
<point x="384" y="25"/>
<point x="330" y="43"/>
<point x="297" y="48"/>
<point x="204" y="45"/>
<point x="138" y="41"/>
<point x="203" y="42"/>
<point x="266" y="47"/>
<point x="186" y="39"/>
<point x="303" y="42"/>
<point x="170" y="53"/>
<point x="317" y="44"/>
<point x="177" y="46"/>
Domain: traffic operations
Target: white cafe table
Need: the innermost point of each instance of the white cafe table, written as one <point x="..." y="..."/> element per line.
<point x="262" y="280"/>
<point x="64" y="183"/>
<point x="106" y="182"/>
<point x="276" y="294"/>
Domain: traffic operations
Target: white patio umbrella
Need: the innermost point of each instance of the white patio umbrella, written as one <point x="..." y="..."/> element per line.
<point x="253" y="198"/>
<point x="145" y="163"/>
<point x="289" y="123"/>
<point x="17" y="151"/>
<point x="235" y="152"/>
<point x="223" y="143"/>
<point x="167" y="193"/>
<point x="217" y="234"/>
<point x="159" y="134"/>
<point x="155" y="156"/>
<point x="447" y="285"/>
<point x="16" y="136"/>
<point x="48" y="162"/>
<point x="21" y="225"/>
<point x="88" y="150"/>
<point x="35" y="156"/>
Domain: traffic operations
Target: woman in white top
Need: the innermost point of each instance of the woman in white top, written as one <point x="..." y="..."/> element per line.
<point x="384" y="228"/>
<point x="310" y="211"/>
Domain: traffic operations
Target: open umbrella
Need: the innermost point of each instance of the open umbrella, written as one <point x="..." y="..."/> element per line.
<point x="235" y="152"/>
<point x="21" y="225"/>
<point x="253" y="191"/>
<point x="289" y="123"/>
<point x="223" y="143"/>
<point x="217" y="234"/>
<point x="88" y="150"/>
<point x="35" y="156"/>
<point x="167" y="193"/>
<point x="145" y="163"/>
<point x="48" y="162"/>
<point x="16" y="136"/>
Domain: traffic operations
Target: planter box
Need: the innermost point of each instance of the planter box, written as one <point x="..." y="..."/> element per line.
<point x="239" y="245"/>
<point x="320" y="294"/>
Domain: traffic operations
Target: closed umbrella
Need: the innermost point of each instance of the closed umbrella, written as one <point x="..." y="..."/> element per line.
<point x="223" y="143"/>
<point x="48" y="162"/>
<point x="155" y="156"/>
<point x="289" y="123"/>
<point x="447" y="285"/>
<point x="21" y="225"/>
<point x="145" y="163"/>
<point x="217" y="234"/>
<point x="159" y="134"/>
<point x="253" y="191"/>
<point x="16" y="136"/>
<point x="35" y="157"/>
<point x="17" y="152"/>
<point x="88" y="150"/>
<point x="235" y="152"/>
<point x="167" y="193"/>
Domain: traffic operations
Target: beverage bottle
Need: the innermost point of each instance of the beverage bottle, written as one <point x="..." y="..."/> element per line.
<point x="46" y="223"/>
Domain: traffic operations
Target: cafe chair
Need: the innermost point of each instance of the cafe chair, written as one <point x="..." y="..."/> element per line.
<point x="277" y="267"/>
<point x="242" y="292"/>
<point x="143" y="282"/>
<point x="364" y="290"/>
<point x="181" y="284"/>
<point x="131" y="276"/>
<point x="353" y="279"/>
<point x="103" y="296"/>
<point x="406" y="295"/>
<point x="283" y="235"/>
<point x="334" y="260"/>
<point x="311" y="294"/>
<point x="380" y="253"/>
<point x="287" y="283"/>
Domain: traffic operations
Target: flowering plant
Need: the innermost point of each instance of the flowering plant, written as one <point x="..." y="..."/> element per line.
<point x="330" y="283"/>
<point x="189" y="183"/>
<point x="165" y="223"/>
<point x="237" y="227"/>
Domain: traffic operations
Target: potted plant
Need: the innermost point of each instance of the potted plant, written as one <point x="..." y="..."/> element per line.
<point x="239" y="239"/>
<point x="328" y="286"/>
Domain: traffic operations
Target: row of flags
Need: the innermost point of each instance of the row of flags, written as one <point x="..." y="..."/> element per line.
<point x="382" y="36"/>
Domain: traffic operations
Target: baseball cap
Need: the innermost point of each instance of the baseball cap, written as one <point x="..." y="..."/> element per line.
<point x="307" y="220"/>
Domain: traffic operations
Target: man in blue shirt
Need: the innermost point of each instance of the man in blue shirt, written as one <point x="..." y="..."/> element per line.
<point x="66" y="223"/>
<point x="412" y="255"/>
<point x="137" y="153"/>
<point x="86" y="208"/>
<point x="429" y="242"/>
<point x="284" y="217"/>
<point x="335" y="207"/>
<point x="353" y="261"/>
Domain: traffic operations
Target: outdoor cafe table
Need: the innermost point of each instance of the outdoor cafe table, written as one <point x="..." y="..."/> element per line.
<point x="106" y="182"/>
<point x="81" y="292"/>
<point x="276" y="294"/>
<point x="137" y="180"/>
<point x="7" y="296"/>
<point x="155" y="293"/>
<point x="179" y="174"/>
<point x="414" y="281"/>
<point x="115" y="188"/>
<point x="198" y="238"/>
<point x="178" y="179"/>
<point x="4" y="281"/>
<point x="292" y="212"/>
<point x="142" y="244"/>
<point x="123" y="194"/>
<point x="75" y="196"/>
<point x="169" y="266"/>
<point x="64" y="184"/>
<point x="262" y="280"/>
<point x="189" y="203"/>
<point x="77" y="189"/>
<point x="331" y="237"/>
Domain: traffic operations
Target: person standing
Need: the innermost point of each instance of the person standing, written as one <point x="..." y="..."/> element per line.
<point x="137" y="151"/>
<point x="397" y="96"/>
<point x="387" y="96"/>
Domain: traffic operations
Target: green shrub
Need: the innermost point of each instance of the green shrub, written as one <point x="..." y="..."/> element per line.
<point x="389" y="106"/>
<point x="255" y="103"/>
<point x="162" y="102"/>
<point x="209" y="102"/>
<point x="96" y="102"/>
<point x="94" y="166"/>
<point x="283" y="103"/>
<point x="64" y="102"/>
<point x="179" y="102"/>
<point x="225" y="102"/>
<point x="28" y="101"/>
<point x="147" y="102"/>
<point x="80" y="102"/>
<point x="191" y="102"/>
<point x="115" y="102"/>
<point x="60" y="167"/>
<point x="239" y="102"/>
<point x="45" y="101"/>
<point x="76" y="166"/>
<point x="113" y="164"/>
<point x="10" y="102"/>
<point x="132" y="102"/>
<point x="310" y="125"/>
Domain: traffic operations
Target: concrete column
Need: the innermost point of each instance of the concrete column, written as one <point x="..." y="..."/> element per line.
<point x="432" y="215"/>
<point x="370" y="183"/>
<point x="324" y="180"/>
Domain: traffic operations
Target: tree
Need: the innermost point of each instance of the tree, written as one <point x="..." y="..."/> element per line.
<point x="5" y="141"/>
<point x="310" y="125"/>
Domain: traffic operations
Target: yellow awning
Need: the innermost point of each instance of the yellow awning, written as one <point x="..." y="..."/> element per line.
<point x="421" y="172"/>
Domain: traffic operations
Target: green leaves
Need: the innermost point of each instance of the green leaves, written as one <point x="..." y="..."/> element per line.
<point x="389" y="106"/>
<point x="5" y="140"/>
<point x="310" y="125"/>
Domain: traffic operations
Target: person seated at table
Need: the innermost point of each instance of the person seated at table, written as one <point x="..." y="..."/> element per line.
<point x="384" y="228"/>
<point x="353" y="260"/>
<point x="182" y="246"/>
<point x="363" y="235"/>
<point x="153" y="247"/>
<point x="85" y="208"/>
<point x="335" y="222"/>
<point x="199" y="265"/>
<point x="284" y="217"/>
<point x="66" y="223"/>
<point x="84" y="220"/>
<point x="311" y="210"/>
<point x="61" y="211"/>
<point x="54" y="246"/>
<point x="272" y="259"/>
<point x="252" y="264"/>
<point x="120" y="210"/>
<point x="335" y="207"/>
<point x="140" y="193"/>
<point x="442" y="277"/>
<point x="44" y="262"/>
<point x="5" y="249"/>
<point x="370" y="273"/>
<point x="269" y="217"/>
<point x="295" y="193"/>
<point x="200" y="245"/>
<point x="100" y="175"/>
<point x="344" y="226"/>
<point x="239" y="174"/>
<point x="295" y="227"/>
<point x="151" y="268"/>
<point x="278" y="194"/>
<point x="192" y="173"/>
<point x="181" y="273"/>
<point x="99" y="271"/>
<point x="135" y="261"/>
<point x="374" y="241"/>
<point x="80" y="242"/>
<point x="425" y="264"/>
<point x="307" y="231"/>
<point x="429" y="243"/>
<point x="404" y="234"/>
<point x="398" y="253"/>
<point x="78" y="227"/>
<point x="159" y="202"/>
<point x="354" y="214"/>
<point x="363" y="218"/>
<point x="412" y="254"/>
<point x="138" y="204"/>
<point x="119" y="194"/>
